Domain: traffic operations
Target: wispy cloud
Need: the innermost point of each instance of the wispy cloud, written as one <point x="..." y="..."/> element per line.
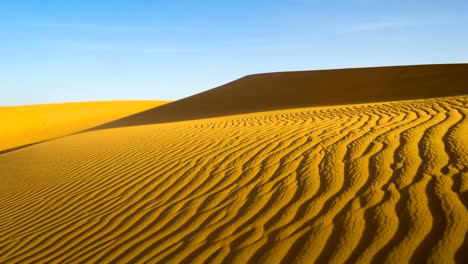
<point x="378" y="24"/>
<point x="375" y="26"/>
<point x="107" y="27"/>
<point x="116" y="48"/>
<point x="100" y="27"/>
<point x="140" y="49"/>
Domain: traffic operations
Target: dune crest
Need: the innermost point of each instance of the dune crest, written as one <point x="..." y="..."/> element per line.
<point x="380" y="182"/>
<point x="286" y="90"/>
<point x="23" y="125"/>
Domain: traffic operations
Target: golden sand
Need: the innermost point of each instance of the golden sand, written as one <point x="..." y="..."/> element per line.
<point x="382" y="182"/>
<point x="286" y="90"/>
<point x="23" y="125"/>
<point x="304" y="167"/>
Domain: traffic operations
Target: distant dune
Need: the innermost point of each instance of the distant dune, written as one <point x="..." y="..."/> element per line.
<point x="22" y="125"/>
<point x="373" y="182"/>
<point x="285" y="90"/>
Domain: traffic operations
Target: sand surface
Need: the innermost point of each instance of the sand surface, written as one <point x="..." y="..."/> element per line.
<point x="375" y="182"/>
<point x="384" y="182"/>
<point x="286" y="90"/>
<point x="23" y="125"/>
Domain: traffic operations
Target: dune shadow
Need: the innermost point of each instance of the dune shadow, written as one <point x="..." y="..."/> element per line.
<point x="285" y="90"/>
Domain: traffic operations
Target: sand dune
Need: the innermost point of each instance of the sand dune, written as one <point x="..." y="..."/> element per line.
<point x="23" y="125"/>
<point x="377" y="182"/>
<point x="286" y="90"/>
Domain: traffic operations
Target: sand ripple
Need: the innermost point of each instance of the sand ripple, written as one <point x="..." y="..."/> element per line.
<point x="382" y="183"/>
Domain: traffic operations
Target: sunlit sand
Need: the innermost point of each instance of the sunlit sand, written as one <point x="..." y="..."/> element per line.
<point x="22" y="125"/>
<point x="357" y="181"/>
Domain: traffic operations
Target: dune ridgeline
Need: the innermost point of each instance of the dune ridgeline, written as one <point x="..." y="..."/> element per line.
<point x="25" y="125"/>
<point x="338" y="166"/>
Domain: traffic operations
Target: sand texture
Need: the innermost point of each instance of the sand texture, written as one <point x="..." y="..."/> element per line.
<point x="286" y="90"/>
<point x="377" y="182"/>
<point x="23" y="125"/>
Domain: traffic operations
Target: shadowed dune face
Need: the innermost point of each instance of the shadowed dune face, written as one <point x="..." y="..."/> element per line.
<point x="273" y="91"/>
<point x="22" y="125"/>
<point x="385" y="182"/>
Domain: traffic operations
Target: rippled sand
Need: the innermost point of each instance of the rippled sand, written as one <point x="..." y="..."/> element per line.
<point x="357" y="183"/>
<point x="338" y="166"/>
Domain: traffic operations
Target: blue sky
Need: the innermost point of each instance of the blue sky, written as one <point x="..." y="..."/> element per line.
<point x="62" y="51"/>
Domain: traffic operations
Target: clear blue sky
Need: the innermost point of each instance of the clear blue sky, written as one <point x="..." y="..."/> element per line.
<point x="70" y="50"/>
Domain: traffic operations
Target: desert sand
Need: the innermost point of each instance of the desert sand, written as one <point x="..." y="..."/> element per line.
<point x="23" y="125"/>
<point x="286" y="90"/>
<point x="361" y="181"/>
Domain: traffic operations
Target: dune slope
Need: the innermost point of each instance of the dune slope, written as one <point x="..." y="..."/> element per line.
<point x="381" y="182"/>
<point x="23" y="125"/>
<point x="285" y="90"/>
